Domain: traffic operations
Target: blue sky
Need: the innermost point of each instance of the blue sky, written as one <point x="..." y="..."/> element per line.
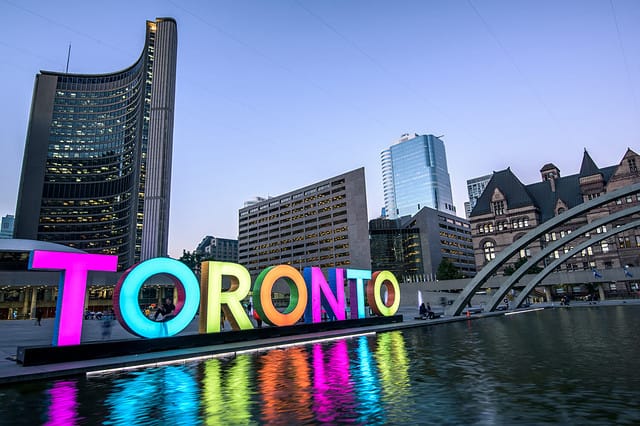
<point x="275" y="95"/>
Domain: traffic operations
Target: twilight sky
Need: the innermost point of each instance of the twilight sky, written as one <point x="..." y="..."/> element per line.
<point x="275" y="95"/>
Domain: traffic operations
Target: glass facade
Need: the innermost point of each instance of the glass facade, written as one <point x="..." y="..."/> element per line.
<point x="415" y="175"/>
<point x="397" y="249"/>
<point x="475" y="187"/>
<point x="90" y="164"/>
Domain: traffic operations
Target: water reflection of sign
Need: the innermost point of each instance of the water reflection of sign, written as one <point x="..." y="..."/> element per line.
<point x="310" y="294"/>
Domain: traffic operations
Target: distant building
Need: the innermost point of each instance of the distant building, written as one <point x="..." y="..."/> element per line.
<point x="474" y="189"/>
<point x="255" y="200"/>
<point x="323" y="224"/>
<point x="220" y="249"/>
<point x="507" y="209"/>
<point x="6" y="226"/>
<point x="415" y="175"/>
<point x="412" y="247"/>
<point x="96" y="173"/>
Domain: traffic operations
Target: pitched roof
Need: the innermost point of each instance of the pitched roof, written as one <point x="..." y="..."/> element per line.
<point x="588" y="167"/>
<point x="514" y="191"/>
<point x="539" y="194"/>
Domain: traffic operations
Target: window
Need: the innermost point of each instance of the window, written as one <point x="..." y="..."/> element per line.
<point x="632" y="165"/>
<point x="489" y="249"/>
<point x="605" y="247"/>
<point x="498" y="207"/>
<point x="624" y="242"/>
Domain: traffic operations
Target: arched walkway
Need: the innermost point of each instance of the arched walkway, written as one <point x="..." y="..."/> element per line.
<point x="506" y="254"/>
<point x="578" y="233"/>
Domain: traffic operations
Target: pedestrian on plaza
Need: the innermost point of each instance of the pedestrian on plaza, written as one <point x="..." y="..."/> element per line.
<point x="423" y="311"/>
<point x="257" y="318"/>
<point x="38" y="316"/>
<point x="106" y="327"/>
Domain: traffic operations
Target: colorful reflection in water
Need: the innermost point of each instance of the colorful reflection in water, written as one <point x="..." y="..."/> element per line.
<point x="63" y="405"/>
<point x="285" y="385"/>
<point x="168" y="393"/>
<point x="226" y="391"/>
<point x="330" y="383"/>
<point x="509" y="370"/>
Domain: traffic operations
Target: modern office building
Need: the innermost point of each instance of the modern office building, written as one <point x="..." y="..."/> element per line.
<point x="396" y="247"/>
<point x="415" y="175"/>
<point x="507" y="209"/>
<point x="220" y="249"/>
<point x="96" y="173"/>
<point x="323" y="224"/>
<point x="474" y="189"/>
<point x="412" y="247"/>
<point x="6" y="226"/>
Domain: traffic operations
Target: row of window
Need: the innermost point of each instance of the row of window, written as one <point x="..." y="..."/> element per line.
<point x="486" y="228"/>
<point x="307" y="193"/>
<point x="252" y="216"/>
<point x="624" y="242"/>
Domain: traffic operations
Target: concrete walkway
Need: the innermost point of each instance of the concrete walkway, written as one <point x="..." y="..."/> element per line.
<point x="26" y="333"/>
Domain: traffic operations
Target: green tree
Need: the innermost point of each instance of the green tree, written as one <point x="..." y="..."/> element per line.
<point x="191" y="259"/>
<point x="448" y="271"/>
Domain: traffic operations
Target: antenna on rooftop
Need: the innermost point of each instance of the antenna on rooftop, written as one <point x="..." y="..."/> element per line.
<point x="68" y="56"/>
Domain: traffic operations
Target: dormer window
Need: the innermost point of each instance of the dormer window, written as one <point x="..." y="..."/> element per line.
<point x="498" y="207"/>
<point x="633" y="168"/>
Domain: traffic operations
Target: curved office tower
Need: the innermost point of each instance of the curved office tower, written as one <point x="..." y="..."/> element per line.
<point x="96" y="173"/>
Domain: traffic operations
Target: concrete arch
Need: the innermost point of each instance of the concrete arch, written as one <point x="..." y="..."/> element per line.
<point x="502" y="257"/>
<point x="518" y="236"/>
<point x="546" y="271"/>
<point x="515" y="277"/>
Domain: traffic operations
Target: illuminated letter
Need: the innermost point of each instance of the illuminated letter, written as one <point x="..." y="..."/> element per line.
<point x="333" y="293"/>
<point x="213" y="298"/>
<point x="356" y="279"/>
<point x="71" y="289"/>
<point x="298" y="295"/>
<point x="379" y="306"/>
<point x="125" y="298"/>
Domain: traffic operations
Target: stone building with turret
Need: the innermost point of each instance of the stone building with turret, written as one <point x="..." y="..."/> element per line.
<point x="508" y="209"/>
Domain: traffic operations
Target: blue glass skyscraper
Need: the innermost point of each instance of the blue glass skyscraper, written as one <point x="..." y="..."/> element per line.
<point x="415" y="175"/>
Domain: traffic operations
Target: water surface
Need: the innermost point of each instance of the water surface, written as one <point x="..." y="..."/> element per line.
<point x="569" y="366"/>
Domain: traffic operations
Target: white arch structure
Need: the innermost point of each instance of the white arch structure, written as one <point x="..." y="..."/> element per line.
<point x="513" y="279"/>
<point x="490" y="268"/>
<point x="546" y="271"/>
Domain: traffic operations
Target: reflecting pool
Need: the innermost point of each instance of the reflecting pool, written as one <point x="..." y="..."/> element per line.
<point x="568" y="366"/>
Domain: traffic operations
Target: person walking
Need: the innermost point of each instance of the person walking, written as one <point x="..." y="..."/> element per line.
<point x="257" y="318"/>
<point x="38" y="317"/>
<point x="106" y="327"/>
